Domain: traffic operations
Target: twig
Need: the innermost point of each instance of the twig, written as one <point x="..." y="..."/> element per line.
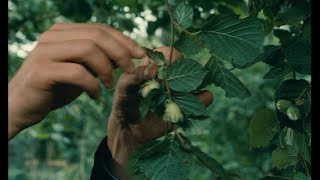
<point x="304" y="90"/>
<point x="305" y="165"/>
<point x="172" y="41"/>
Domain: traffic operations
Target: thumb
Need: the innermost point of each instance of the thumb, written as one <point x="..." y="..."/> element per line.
<point x="127" y="98"/>
<point x="129" y="83"/>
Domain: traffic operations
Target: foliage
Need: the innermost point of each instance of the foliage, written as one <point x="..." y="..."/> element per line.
<point x="253" y="55"/>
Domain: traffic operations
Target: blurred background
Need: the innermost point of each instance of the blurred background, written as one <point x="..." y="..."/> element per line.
<point x="63" y="145"/>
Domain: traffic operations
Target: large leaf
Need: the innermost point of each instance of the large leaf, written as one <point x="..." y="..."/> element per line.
<point x="298" y="54"/>
<point x="156" y="56"/>
<point x="283" y="35"/>
<point x="187" y="45"/>
<point x="185" y="75"/>
<point x="225" y="79"/>
<point x="306" y="31"/>
<point x="213" y="165"/>
<point x="283" y="157"/>
<point x="233" y="39"/>
<point x="183" y="15"/>
<point x="172" y="163"/>
<point x="300" y="176"/>
<point x="300" y="142"/>
<point x="190" y="104"/>
<point x="278" y="71"/>
<point x="263" y="126"/>
<point x="273" y="55"/>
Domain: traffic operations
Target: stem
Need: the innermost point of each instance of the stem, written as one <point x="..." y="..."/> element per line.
<point x="166" y="81"/>
<point x="294" y="75"/>
<point x="179" y="136"/>
<point x="305" y="166"/>
<point x="305" y="89"/>
<point x="172" y="41"/>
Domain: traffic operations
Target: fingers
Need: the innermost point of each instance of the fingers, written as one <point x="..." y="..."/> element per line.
<point x="84" y="52"/>
<point x="74" y="74"/>
<point x="123" y="39"/>
<point x="130" y="83"/>
<point x="115" y="46"/>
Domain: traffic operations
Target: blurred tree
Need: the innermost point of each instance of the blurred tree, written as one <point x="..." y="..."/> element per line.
<point x="62" y="146"/>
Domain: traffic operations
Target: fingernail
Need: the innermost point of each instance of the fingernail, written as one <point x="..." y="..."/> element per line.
<point x="139" y="51"/>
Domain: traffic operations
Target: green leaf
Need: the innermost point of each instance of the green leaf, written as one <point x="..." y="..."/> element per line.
<point x="298" y="54"/>
<point x="230" y="38"/>
<point x="190" y="104"/>
<point x="225" y="79"/>
<point x="148" y="103"/>
<point x="183" y="15"/>
<point x="307" y="130"/>
<point x="146" y="151"/>
<point x="297" y="12"/>
<point x="160" y="71"/>
<point x="273" y="55"/>
<point x="185" y="75"/>
<point x="283" y="157"/>
<point x="278" y="71"/>
<point x="213" y="165"/>
<point x="144" y="107"/>
<point x="300" y="176"/>
<point x="300" y="142"/>
<point x="156" y="56"/>
<point x="172" y="163"/>
<point x="283" y="35"/>
<point x="263" y="126"/>
<point x="187" y="45"/>
<point x="306" y="31"/>
<point x="270" y="177"/>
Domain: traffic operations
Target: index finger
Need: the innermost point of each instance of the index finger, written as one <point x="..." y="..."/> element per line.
<point x="135" y="50"/>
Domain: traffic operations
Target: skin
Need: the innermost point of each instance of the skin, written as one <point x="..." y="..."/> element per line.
<point x="67" y="61"/>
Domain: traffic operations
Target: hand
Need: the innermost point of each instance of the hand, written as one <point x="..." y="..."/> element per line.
<point x="66" y="62"/>
<point x="125" y="133"/>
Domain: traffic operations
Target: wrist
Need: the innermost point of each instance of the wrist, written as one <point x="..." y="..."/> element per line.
<point x="120" y="155"/>
<point x="13" y="117"/>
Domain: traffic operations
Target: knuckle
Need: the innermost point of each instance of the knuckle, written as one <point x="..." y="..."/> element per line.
<point x="78" y="71"/>
<point x="97" y="33"/>
<point x="87" y="47"/>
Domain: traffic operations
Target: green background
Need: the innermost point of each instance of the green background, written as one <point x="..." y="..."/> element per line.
<point x="63" y="145"/>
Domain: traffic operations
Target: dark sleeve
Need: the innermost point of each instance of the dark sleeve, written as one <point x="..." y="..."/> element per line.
<point x="102" y="163"/>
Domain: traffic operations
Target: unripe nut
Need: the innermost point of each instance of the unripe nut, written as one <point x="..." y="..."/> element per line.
<point x="148" y="86"/>
<point x="283" y="105"/>
<point x="172" y="113"/>
<point x="293" y="113"/>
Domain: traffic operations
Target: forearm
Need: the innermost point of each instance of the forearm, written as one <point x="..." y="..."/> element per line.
<point x="105" y="167"/>
<point x="13" y="128"/>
